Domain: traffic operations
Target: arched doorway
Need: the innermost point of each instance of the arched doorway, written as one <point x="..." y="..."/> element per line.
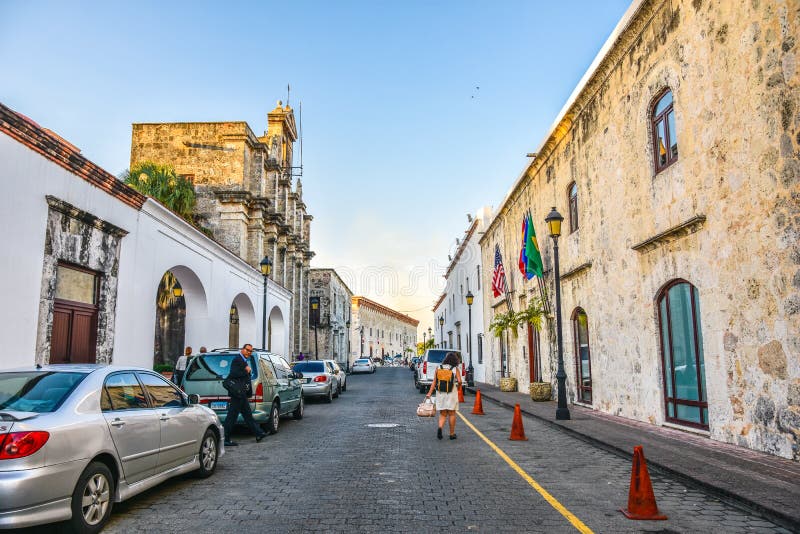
<point x="233" y="327"/>
<point x="170" y="331"/>
<point x="181" y="314"/>
<point x="277" y="340"/>
<point x="683" y="366"/>
<point x="583" y="356"/>
<point x="242" y="322"/>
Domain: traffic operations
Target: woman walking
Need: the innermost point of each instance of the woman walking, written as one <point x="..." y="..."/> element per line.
<point x="445" y="381"/>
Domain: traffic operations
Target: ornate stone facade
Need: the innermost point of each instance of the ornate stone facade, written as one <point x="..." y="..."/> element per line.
<point x="378" y="331"/>
<point x="722" y="222"/>
<point x="334" y="312"/>
<point x="245" y="194"/>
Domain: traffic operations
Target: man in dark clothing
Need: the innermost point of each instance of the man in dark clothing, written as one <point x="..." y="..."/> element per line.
<point x="240" y="372"/>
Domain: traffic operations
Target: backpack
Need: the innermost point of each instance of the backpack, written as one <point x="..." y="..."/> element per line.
<point x="445" y="380"/>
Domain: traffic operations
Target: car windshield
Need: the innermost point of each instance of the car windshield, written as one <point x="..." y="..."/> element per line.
<point x="36" y="391"/>
<point x="215" y="367"/>
<point x="309" y="367"/>
<point x="362" y="361"/>
<point x="437" y="356"/>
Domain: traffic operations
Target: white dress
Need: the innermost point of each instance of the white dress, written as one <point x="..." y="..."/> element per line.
<point x="448" y="401"/>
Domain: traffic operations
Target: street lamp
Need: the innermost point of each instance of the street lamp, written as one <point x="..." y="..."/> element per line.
<point x="266" y="268"/>
<point x="430" y="335"/>
<point x="470" y="369"/>
<point x="423" y="341"/>
<point x="347" y="360"/>
<point x="362" y="341"/>
<point x="315" y="313"/>
<point x="441" y="328"/>
<point x="553" y="221"/>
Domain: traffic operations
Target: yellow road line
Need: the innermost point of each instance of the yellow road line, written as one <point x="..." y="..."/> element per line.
<point x="577" y="523"/>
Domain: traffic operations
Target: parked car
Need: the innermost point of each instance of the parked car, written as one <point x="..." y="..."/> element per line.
<point x="363" y="365"/>
<point x="413" y="364"/>
<point x="75" y="439"/>
<point x="426" y="368"/>
<point x="318" y="379"/>
<point x="339" y="374"/>
<point x="277" y="390"/>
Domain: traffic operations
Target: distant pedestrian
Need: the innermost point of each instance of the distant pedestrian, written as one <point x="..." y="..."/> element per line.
<point x="446" y="382"/>
<point x="203" y="350"/>
<point x="240" y="374"/>
<point x="180" y="366"/>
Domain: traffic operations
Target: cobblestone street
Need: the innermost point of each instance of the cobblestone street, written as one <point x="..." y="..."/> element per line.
<point x="334" y="472"/>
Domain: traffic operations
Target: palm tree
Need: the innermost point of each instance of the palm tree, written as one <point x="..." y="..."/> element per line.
<point x="163" y="184"/>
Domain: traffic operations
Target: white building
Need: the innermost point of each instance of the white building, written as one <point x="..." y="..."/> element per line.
<point x="85" y="255"/>
<point x="379" y="332"/>
<point x="451" y="313"/>
<point x="327" y="332"/>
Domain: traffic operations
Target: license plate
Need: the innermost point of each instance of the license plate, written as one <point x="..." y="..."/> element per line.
<point x="218" y="405"/>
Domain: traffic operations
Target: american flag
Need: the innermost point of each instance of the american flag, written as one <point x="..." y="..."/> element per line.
<point x="499" y="276"/>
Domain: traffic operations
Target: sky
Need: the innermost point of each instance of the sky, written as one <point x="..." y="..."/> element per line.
<point x="414" y="113"/>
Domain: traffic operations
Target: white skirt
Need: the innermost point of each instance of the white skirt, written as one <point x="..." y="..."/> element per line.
<point x="447" y="401"/>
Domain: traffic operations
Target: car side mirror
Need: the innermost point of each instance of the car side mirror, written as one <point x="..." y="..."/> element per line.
<point x="194" y="398"/>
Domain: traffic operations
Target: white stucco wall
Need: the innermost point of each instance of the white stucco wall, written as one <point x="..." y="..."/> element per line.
<point x="157" y="241"/>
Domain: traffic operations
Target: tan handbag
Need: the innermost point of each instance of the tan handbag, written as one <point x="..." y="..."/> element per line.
<point x="427" y="408"/>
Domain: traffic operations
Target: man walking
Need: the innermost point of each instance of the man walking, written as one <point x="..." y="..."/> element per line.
<point x="240" y="376"/>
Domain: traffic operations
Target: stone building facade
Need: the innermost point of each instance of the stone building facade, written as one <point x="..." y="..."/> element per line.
<point x="452" y="317"/>
<point x="246" y="194"/>
<point x="378" y="331"/>
<point x="328" y="334"/>
<point x="675" y="164"/>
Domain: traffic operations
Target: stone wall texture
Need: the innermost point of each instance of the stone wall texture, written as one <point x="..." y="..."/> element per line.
<point x="730" y="209"/>
<point x="334" y="313"/>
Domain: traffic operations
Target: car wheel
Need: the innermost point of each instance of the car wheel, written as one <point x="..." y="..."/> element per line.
<point x="329" y="398"/>
<point x="344" y="387"/>
<point x="298" y="412"/>
<point x="92" y="499"/>
<point x="274" y="419"/>
<point x="338" y="390"/>
<point x="209" y="454"/>
<point x="422" y="389"/>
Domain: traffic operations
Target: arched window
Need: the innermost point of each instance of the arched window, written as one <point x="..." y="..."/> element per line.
<point x="665" y="138"/>
<point x="583" y="364"/>
<point x="573" y="207"/>
<point x="682" y="354"/>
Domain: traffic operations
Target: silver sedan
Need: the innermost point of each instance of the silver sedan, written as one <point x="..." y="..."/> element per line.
<point x="75" y="439"/>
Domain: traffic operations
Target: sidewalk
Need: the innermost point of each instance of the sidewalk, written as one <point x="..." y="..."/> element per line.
<point x="761" y="482"/>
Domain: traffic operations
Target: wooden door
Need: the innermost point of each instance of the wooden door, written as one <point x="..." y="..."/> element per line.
<point x="74" y="334"/>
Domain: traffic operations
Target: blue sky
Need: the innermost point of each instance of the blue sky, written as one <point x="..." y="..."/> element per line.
<point x="415" y="113"/>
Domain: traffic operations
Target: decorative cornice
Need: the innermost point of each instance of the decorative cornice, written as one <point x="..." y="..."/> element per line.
<point x="65" y="155"/>
<point x="56" y="204"/>
<point x="683" y="229"/>
<point x="577" y="270"/>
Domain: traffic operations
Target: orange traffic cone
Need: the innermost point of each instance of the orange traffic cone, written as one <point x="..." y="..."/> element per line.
<point x="641" y="501"/>
<point x="517" y="431"/>
<point x="461" y="394"/>
<point x="477" y="409"/>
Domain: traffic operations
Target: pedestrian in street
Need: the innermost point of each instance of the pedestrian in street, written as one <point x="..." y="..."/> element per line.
<point x="240" y="376"/>
<point x="203" y="350"/>
<point x="445" y="382"/>
<point x="180" y="366"/>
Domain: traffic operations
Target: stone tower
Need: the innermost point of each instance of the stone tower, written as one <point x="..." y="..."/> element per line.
<point x="246" y="196"/>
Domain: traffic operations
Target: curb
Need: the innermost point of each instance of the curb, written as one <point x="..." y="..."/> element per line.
<point x="731" y="498"/>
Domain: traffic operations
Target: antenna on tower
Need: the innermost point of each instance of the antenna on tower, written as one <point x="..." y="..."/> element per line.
<point x="300" y="112"/>
<point x="288" y="93"/>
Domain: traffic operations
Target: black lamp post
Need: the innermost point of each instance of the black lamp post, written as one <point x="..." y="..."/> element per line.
<point x="430" y="336"/>
<point x="441" y="329"/>
<point x="470" y="369"/>
<point x="266" y="268"/>
<point x="424" y="333"/>
<point x="362" y="341"/>
<point x="553" y="221"/>
<point x="347" y="360"/>
<point x="315" y="313"/>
